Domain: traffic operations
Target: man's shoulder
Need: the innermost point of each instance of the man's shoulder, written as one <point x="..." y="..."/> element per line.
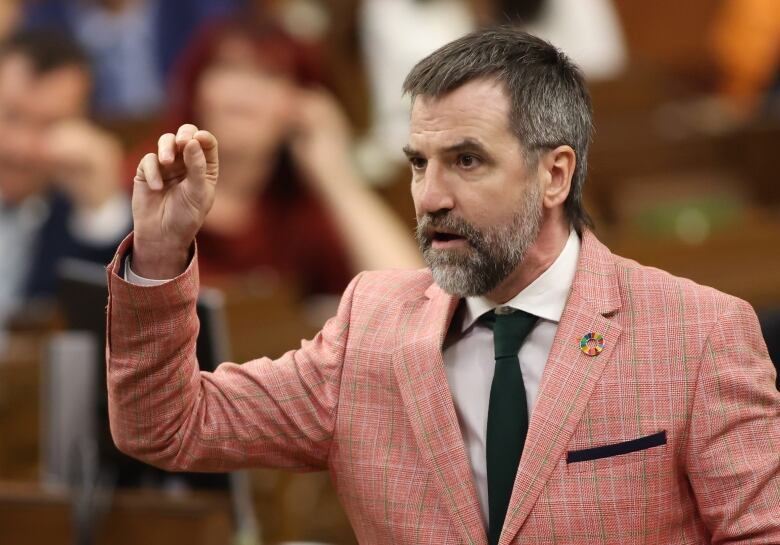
<point x="640" y="282"/>
<point x="604" y="274"/>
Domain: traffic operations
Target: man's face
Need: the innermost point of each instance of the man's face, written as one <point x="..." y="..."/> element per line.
<point x="30" y="105"/>
<point x="478" y="204"/>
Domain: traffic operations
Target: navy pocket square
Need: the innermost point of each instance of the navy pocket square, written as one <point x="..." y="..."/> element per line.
<point x="616" y="449"/>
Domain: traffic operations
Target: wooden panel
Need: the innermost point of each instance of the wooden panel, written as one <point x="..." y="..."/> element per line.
<point x="265" y="317"/>
<point x="669" y="33"/>
<point x="29" y="515"/>
<point x="741" y="261"/>
<point x="299" y="507"/>
<point x="19" y="407"/>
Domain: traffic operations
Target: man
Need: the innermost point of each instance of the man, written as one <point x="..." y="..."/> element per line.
<point x="642" y="409"/>
<point x="134" y="44"/>
<point x="59" y="175"/>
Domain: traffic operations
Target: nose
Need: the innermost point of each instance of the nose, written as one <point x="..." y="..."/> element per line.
<point x="432" y="192"/>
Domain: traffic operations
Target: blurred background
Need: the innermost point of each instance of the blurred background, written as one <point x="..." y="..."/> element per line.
<point x="304" y="96"/>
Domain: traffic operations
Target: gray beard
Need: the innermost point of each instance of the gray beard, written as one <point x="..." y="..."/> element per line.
<point x="491" y="254"/>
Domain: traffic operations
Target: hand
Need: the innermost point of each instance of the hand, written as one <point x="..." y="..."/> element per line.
<point x="85" y="160"/>
<point x="173" y="191"/>
<point x="321" y="139"/>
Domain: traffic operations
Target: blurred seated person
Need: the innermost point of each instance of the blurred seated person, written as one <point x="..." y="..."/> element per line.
<point x="59" y="178"/>
<point x="589" y="32"/>
<point x="132" y="43"/>
<point x="425" y="26"/>
<point x="289" y="199"/>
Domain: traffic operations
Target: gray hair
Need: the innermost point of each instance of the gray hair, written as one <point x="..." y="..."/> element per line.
<point x="550" y="104"/>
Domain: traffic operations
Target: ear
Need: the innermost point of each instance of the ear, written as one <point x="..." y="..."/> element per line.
<point x="557" y="169"/>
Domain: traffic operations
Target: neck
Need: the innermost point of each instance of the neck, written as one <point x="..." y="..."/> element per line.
<point x="548" y="246"/>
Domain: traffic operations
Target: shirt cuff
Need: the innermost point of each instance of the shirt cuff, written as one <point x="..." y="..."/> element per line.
<point x="133" y="278"/>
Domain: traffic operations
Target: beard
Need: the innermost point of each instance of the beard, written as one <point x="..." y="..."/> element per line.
<point x="491" y="254"/>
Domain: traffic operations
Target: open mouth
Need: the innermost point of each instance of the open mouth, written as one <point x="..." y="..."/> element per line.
<point x="446" y="237"/>
<point x="443" y="240"/>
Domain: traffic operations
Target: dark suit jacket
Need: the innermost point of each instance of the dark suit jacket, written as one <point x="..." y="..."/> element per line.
<point x="55" y="242"/>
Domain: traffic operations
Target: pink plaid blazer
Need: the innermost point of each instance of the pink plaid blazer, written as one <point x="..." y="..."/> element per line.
<point x="670" y="436"/>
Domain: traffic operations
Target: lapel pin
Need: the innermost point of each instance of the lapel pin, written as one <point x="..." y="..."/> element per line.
<point x="592" y="344"/>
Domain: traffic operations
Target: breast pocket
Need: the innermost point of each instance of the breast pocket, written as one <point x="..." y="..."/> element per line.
<point x="619" y="452"/>
<point x="614" y="493"/>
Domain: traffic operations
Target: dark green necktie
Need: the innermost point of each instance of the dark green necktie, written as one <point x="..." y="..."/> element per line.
<point x="507" y="423"/>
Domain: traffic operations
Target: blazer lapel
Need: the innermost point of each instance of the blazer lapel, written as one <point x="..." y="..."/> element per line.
<point x="419" y="368"/>
<point x="569" y="377"/>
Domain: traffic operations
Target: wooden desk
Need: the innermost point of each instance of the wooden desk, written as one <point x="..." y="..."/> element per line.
<point x="32" y="516"/>
<point x="20" y="370"/>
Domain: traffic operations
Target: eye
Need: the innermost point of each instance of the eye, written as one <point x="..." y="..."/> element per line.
<point x="468" y="161"/>
<point x="418" y="163"/>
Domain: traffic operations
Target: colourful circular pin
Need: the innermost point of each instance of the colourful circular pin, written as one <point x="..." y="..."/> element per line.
<point x="592" y="344"/>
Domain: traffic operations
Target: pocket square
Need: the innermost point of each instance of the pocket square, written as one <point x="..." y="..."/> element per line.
<point x="616" y="449"/>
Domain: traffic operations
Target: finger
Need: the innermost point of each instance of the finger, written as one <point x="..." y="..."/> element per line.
<point x="166" y="148"/>
<point x="195" y="161"/>
<point x="185" y="134"/>
<point x="208" y="143"/>
<point x="149" y="172"/>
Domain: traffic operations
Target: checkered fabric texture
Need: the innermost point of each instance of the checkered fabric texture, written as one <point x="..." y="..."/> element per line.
<point x="367" y="399"/>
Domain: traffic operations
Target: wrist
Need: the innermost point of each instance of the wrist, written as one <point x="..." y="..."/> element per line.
<point x="159" y="261"/>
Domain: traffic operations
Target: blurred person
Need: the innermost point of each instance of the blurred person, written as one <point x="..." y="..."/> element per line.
<point x="59" y="175"/>
<point x="289" y="199"/>
<point x="528" y="386"/>
<point x="424" y="25"/>
<point x="132" y="43"/>
<point x="588" y="31"/>
<point x="745" y="42"/>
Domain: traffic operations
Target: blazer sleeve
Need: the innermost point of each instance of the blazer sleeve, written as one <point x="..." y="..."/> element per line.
<point x="733" y="449"/>
<point x="166" y="412"/>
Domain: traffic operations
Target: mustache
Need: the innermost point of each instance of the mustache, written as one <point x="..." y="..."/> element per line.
<point x="429" y="223"/>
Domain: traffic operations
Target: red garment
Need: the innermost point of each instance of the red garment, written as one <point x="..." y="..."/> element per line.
<point x="291" y="236"/>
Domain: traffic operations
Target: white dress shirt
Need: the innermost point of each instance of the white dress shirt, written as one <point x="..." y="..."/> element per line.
<point x="133" y="278"/>
<point x="469" y="356"/>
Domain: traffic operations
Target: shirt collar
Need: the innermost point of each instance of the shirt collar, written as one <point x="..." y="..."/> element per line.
<point x="544" y="297"/>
